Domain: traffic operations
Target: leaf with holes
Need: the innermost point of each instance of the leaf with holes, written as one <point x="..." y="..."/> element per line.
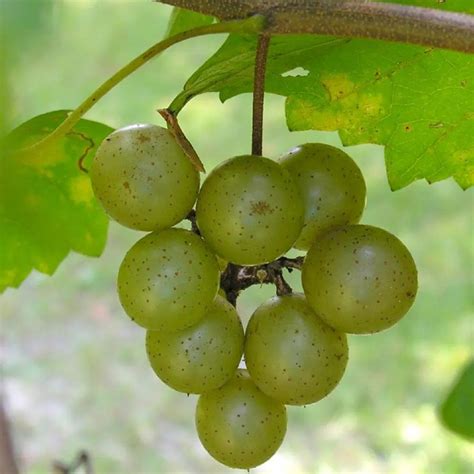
<point x="418" y="102"/>
<point x="47" y="206"/>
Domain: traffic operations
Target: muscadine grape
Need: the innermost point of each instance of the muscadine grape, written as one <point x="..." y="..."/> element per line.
<point x="202" y="357"/>
<point x="168" y="280"/>
<point x="332" y="186"/>
<point x="359" y="279"/>
<point x="239" y="425"/>
<point x="291" y="354"/>
<point x="143" y="178"/>
<point x="249" y="210"/>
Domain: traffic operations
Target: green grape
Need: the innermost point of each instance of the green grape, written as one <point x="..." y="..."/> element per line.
<point x="168" y="280"/>
<point x="202" y="357"/>
<point x="249" y="210"/>
<point x="238" y="424"/>
<point x="143" y="179"/>
<point x="332" y="186"/>
<point x="291" y="354"/>
<point x="359" y="279"/>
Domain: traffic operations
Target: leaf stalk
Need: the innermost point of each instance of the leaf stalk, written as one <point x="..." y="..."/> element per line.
<point x="253" y="24"/>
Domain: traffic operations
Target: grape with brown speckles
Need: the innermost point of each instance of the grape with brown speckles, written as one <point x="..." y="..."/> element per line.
<point x="202" y="357"/>
<point x="250" y="210"/>
<point x="332" y="186"/>
<point x="143" y="178"/>
<point x="168" y="280"/>
<point x="291" y="354"/>
<point x="360" y="279"/>
<point x="239" y="425"/>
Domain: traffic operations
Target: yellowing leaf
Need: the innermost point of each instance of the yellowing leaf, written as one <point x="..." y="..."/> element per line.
<point x="417" y="101"/>
<point x="47" y="206"/>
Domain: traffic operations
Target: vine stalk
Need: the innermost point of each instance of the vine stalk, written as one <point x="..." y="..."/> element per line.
<point x="259" y="93"/>
<point x="8" y="461"/>
<point x="349" y="19"/>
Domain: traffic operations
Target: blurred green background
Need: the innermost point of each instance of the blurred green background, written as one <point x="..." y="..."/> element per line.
<point x="74" y="369"/>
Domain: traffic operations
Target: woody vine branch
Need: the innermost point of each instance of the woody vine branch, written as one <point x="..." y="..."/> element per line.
<point x="349" y="18"/>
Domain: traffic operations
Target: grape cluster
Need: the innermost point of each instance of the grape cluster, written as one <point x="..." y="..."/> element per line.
<point x="250" y="211"/>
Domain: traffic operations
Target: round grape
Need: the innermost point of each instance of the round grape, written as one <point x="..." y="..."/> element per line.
<point x="332" y="187"/>
<point x="249" y="210"/>
<point x="202" y="357"/>
<point x="359" y="279"/>
<point x="143" y="179"/>
<point x="291" y="354"/>
<point x="238" y="424"/>
<point x="168" y="280"/>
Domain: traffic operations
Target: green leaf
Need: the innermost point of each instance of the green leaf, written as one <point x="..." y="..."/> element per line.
<point x="47" y="206"/>
<point x="457" y="411"/>
<point x="183" y="20"/>
<point x="461" y="6"/>
<point x="416" y="101"/>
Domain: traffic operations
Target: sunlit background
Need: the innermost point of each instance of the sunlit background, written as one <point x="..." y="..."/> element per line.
<point x="74" y="369"/>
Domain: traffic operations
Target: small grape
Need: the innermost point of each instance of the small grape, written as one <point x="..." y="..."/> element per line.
<point x="168" y="280"/>
<point x="291" y="354"/>
<point x="143" y="179"/>
<point x="238" y="424"/>
<point x="249" y="210"/>
<point x="202" y="357"/>
<point x="359" y="279"/>
<point x="332" y="186"/>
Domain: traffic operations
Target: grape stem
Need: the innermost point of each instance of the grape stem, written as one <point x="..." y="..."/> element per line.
<point x="192" y="218"/>
<point x="259" y="93"/>
<point x="236" y="278"/>
<point x="81" y="460"/>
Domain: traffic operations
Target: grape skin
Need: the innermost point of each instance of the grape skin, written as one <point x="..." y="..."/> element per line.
<point x="332" y="186"/>
<point x="143" y="179"/>
<point x="202" y="357"/>
<point x="360" y="279"/>
<point x="238" y="424"/>
<point x="249" y="210"/>
<point x="291" y="354"/>
<point x="168" y="280"/>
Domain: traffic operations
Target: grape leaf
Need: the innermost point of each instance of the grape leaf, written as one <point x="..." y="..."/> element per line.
<point x="47" y="206"/>
<point x="418" y="102"/>
<point x="461" y="6"/>
<point x="183" y="20"/>
<point x="457" y="411"/>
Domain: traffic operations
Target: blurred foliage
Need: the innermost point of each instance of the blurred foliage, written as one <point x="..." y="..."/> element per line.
<point x="75" y="368"/>
<point x="21" y="23"/>
<point x="457" y="411"/>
